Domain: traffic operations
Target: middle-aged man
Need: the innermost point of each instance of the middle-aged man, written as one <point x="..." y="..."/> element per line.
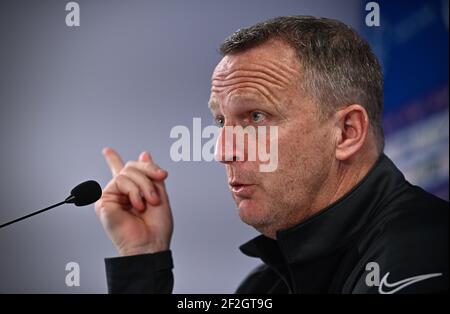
<point x="336" y="216"/>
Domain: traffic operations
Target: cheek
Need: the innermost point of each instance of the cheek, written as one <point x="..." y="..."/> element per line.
<point x="290" y="165"/>
<point x="302" y="154"/>
<point x="314" y="141"/>
<point x="291" y="147"/>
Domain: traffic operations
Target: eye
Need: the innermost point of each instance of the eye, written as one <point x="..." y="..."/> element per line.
<point x="257" y="116"/>
<point x="219" y="121"/>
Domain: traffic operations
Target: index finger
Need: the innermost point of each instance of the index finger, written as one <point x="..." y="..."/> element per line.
<point x="113" y="159"/>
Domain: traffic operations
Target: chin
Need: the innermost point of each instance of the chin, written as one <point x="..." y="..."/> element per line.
<point x="251" y="212"/>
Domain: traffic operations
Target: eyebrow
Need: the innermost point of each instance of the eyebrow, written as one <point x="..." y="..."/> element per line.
<point x="244" y="101"/>
<point x="213" y="104"/>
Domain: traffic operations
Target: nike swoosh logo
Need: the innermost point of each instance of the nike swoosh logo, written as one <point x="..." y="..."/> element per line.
<point x="396" y="286"/>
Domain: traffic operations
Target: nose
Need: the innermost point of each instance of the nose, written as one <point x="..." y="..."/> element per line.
<point x="226" y="151"/>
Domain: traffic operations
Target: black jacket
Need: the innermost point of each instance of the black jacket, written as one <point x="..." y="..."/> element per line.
<point x="383" y="236"/>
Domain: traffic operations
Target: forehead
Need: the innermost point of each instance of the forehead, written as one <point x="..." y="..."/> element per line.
<point x="266" y="71"/>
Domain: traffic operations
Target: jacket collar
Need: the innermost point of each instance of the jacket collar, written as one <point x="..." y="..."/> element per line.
<point x="334" y="226"/>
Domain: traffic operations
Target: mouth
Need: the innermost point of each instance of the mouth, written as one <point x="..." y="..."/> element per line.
<point x="242" y="189"/>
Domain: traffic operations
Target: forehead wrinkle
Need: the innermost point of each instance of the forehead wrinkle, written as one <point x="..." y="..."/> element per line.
<point x="275" y="72"/>
<point x="243" y="74"/>
<point x="261" y="89"/>
<point x="219" y="85"/>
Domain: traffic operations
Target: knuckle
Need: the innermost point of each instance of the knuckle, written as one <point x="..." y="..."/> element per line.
<point x="149" y="167"/>
<point x="120" y="178"/>
<point x="150" y="187"/>
<point x="125" y="172"/>
<point x="123" y="183"/>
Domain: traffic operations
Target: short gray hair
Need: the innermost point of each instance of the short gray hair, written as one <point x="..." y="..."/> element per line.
<point x="339" y="67"/>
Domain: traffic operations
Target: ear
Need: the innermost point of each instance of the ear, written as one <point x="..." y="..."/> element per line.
<point x="352" y="125"/>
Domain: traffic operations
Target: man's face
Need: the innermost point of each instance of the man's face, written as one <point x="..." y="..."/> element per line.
<point x="261" y="87"/>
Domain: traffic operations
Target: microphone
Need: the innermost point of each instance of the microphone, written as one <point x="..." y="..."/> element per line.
<point x="83" y="194"/>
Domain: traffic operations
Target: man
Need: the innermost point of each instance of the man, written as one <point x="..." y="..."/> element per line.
<point x="336" y="216"/>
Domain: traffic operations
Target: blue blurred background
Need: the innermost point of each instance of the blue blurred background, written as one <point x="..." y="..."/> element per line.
<point x="135" y="69"/>
<point x="412" y="44"/>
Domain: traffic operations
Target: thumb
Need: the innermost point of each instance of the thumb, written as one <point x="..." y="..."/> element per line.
<point x="145" y="156"/>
